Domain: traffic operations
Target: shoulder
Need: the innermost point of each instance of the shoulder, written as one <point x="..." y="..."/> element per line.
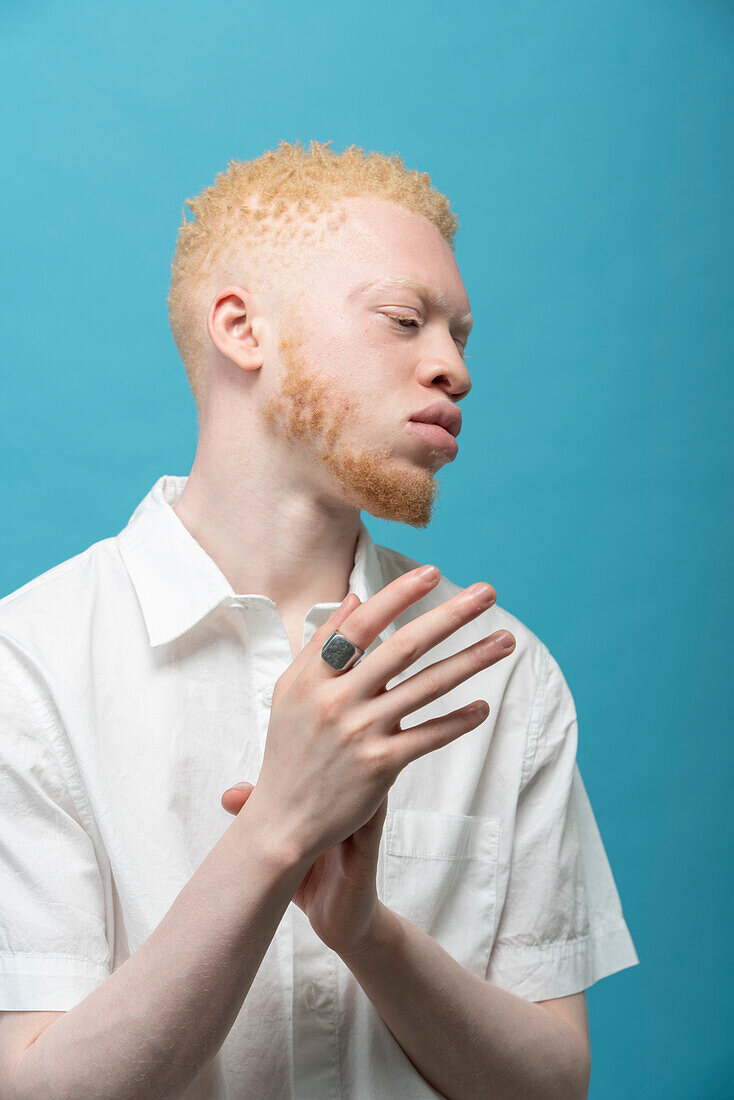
<point x="52" y="607"/>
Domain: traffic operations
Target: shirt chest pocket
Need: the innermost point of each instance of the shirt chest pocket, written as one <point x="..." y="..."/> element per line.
<point x="441" y="874"/>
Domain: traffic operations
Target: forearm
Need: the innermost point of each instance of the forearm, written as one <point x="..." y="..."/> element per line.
<point x="466" y="1037"/>
<point x="157" y="1020"/>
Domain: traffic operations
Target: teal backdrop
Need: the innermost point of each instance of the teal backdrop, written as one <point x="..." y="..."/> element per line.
<point x="587" y="149"/>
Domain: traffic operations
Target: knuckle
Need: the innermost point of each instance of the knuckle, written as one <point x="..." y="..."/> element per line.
<point x="329" y="704"/>
<point x="406" y="646"/>
<point x="377" y="757"/>
<point x="431" y="683"/>
<point x="350" y="725"/>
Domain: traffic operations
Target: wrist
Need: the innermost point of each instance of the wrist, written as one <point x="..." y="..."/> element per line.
<point x="270" y="844"/>
<point x="383" y="933"/>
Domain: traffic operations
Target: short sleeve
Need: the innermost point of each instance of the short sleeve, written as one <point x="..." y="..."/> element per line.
<point x="561" y="927"/>
<point x="53" y="944"/>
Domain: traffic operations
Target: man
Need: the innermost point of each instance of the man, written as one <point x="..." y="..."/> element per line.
<point x="398" y="908"/>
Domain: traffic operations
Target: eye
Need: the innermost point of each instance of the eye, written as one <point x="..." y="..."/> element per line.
<point x="399" y="318"/>
<point x="405" y="323"/>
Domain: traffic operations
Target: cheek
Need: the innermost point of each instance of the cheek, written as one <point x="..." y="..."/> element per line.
<point x="360" y="364"/>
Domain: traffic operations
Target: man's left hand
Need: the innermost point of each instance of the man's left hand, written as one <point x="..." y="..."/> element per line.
<point x="338" y="893"/>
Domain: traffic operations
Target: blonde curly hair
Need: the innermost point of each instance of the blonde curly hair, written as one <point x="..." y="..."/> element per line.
<point x="245" y="225"/>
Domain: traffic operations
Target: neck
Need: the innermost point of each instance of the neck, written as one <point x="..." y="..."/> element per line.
<point x="270" y="538"/>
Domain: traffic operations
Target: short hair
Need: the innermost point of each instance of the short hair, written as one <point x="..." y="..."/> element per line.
<point x="246" y="220"/>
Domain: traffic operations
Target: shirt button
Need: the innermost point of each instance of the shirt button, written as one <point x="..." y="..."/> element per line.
<point x="267" y="697"/>
<point x="309" y="995"/>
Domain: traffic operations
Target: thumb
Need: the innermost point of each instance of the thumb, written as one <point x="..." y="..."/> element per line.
<point x="235" y="797"/>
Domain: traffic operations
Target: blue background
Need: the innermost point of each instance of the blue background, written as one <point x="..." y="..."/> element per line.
<point x="587" y="149"/>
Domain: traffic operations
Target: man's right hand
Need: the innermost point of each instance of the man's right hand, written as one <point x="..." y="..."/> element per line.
<point x="335" y="745"/>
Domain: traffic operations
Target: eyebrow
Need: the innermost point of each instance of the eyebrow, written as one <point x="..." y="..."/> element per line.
<point x="436" y="297"/>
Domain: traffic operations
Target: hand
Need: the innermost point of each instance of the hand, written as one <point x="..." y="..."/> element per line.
<point x="339" y="892"/>
<point x="322" y="787"/>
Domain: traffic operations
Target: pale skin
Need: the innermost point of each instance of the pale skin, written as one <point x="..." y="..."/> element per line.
<point x="465" y="1036"/>
<point x="352" y="355"/>
<point x="303" y="425"/>
<point x="304" y="420"/>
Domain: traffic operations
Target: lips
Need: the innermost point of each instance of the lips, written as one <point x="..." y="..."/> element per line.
<point x="437" y="425"/>
<point x="443" y="413"/>
<point x="435" y="436"/>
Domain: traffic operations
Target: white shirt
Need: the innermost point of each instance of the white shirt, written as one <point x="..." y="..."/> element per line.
<point x="135" y="688"/>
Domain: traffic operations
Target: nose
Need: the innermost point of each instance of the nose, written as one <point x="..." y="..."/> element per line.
<point x="447" y="370"/>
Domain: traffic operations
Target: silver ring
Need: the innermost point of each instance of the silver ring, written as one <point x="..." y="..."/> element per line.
<point x="340" y="653"/>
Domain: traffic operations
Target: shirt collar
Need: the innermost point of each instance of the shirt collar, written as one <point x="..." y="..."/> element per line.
<point x="177" y="583"/>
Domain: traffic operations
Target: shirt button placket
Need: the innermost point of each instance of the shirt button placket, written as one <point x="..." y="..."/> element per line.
<point x="315" y="1015"/>
<point x="316" y="1073"/>
<point x="269" y="650"/>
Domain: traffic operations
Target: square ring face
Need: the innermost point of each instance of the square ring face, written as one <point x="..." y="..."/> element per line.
<point x="337" y="651"/>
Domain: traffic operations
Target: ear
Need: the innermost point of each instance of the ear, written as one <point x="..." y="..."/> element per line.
<point x="234" y="328"/>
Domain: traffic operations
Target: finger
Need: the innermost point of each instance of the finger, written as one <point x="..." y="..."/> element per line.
<point x="234" y="799"/>
<point x="418" y="740"/>
<point x="435" y="681"/>
<point x="306" y="656"/>
<point x="417" y="637"/>
<point x="362" y="624"/>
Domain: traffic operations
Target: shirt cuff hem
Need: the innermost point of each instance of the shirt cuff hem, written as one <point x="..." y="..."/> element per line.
<point x="560" y="969"/>
<point x="47" y="983"/>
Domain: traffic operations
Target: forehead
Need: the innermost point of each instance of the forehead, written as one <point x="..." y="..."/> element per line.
<point x="383" y="246"/>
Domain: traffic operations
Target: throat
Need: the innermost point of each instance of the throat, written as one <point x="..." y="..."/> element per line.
<point x="294" y="630"/>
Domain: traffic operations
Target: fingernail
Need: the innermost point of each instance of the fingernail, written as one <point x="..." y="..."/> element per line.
<point x="239" y="786"/>
<point x="504" y="640"/>
<point x="480" y="592"/>
<point x="428" y="573"/>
